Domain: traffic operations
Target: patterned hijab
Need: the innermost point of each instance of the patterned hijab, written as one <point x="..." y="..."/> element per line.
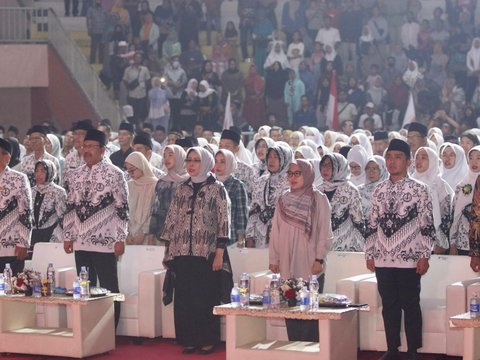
<point x="297" y="206"/>
<point x="51" y="171"/>
<point x="278" y="179"/>
<point x="178" y="173"/>
<point x="231" y="164"/>
<point x="206" y="164"/>
<point x="341" y="172"/>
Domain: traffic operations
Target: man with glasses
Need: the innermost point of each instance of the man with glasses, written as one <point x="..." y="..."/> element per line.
<point x="416" y="138"/>
<point x="37" y="136"/>
<point x="95" y="223"/>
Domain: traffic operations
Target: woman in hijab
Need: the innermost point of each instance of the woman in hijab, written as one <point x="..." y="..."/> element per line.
<point x="462" y="202"/>
<point x="53" y="148"/>
<point x="376" y="172"/>
<point x="357" y="161"/>
<point x="261" y="147"/>
<point x="208" y="105"/>
<point x="306" y="152"/>
<point x="174" y="162"/>
<point x="277" y="54"/>
<point x="225" y="166"/>
<point x="427" y="170"/>
<point x="312" y="145"/>
<point x="141" y="190"/>
<point x="275" y="81"/>
<point x="295" y="139"/>
<point x="359" y="138"/>
<point x="197" y="230"/>
<point x="48" y="205"/>
<point x="332" y="57"/>
<point x="473" y="66"/>
<point x="189" y="105"/>
<point x="294" y="90"/>
<point x="347" y="217"/>
<point x="454" y="164"/>
<point x="266" y="191"/>
<point x="301" y="238"/>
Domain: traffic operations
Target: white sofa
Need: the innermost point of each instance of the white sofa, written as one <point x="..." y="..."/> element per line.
<point x="242" y="260"/>
<point x="339" y="265"/>
<point x="139" y="271"/>
<point x="444" y="270"/>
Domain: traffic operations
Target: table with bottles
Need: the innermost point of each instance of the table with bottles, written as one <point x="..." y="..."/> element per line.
<point x="91" y="330"/>
<point x="471" y="334"/>
<point x="246" y="333"/>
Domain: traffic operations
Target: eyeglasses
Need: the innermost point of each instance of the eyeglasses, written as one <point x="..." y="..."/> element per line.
<point x="294" y="173"/>
<point x="354" y="167"/>
<point x="188" y="161"/>
<point x="371" y="169"/>
<point x="90" y="146"/>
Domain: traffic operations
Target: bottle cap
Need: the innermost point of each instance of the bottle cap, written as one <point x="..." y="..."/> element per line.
<point x="7" y="265"/>
<point x="83" y="268"/>
<point x="50" y="264"/>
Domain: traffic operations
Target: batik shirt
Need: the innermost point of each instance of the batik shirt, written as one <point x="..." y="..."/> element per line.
<point x="244" y="173"/>
<point x="400" y="227"/>
<point x="15" y="211"/>
<point x="97" y="208"/>
<point x="28" y="166"/>
<point x="51" y="208"/>
<point x="72" y="161"/>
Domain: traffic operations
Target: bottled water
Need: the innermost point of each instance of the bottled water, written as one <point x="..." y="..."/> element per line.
<point x="304" y="299"/>
<point x="266" y="298"/>
<point x="235" y="296"/>
<point x="314" y="286"/>
<point x="7" y="276"/>
<point x="274" y="292"/>
<point x="2" y="285"/>
<point x="84" y="284"/>
<point x="50" y="279"/>
<point x="76" y="289"/>
<point x="244" y="290"/>
<point x="474" y="306"/>
<point x="37" y="286"/>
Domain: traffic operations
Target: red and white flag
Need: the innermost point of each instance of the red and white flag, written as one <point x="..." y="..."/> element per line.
<point x="410" y="112"/>
<point x="332" y="107"/>
<point x="228" y="119"/>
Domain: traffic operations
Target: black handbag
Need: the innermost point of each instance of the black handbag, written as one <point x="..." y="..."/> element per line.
<point x="132" y="85"/>
<point x="168" y="286"/>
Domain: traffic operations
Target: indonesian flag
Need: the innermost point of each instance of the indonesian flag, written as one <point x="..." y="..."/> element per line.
<point x="410" y="113"/>
<point x="228" y="119"/>
<point x="332" y="107"/>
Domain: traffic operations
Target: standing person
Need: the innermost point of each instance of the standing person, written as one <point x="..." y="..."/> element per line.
<point x="225" y="165"/>
<point x="188" y="16"/>
<point x="376" y="171"/>
<point x="275" y="81"/>
<point x="158" y="97"/>
<point x="301" y="237"/>
<point x="188" y="107"/>
<point x="197" y="229"/>
<point x="48" y="205"/>
<point x="174" y="161"/>
<point x="15" y="224"/>
<point x="141" y="189"/>
<point x="400" y="238"/>
<point x="208" y="105"/>
<point x="454" y="164"/>
<point x="125" y="140"/>
<point x="38" y="140"/>
<point x="176" y="81"/>
<point x="232" y="82"/>
<point x="347" y="217"/>
<point x="266" y="191"/>
<point x="136" y="79"/>
<point x="462" y="201"/>
<point x="97" y="19"/>
<point x="254" y="106"/>
<point x="293" y="92"/>
<point x="427" y="170"/>
<point x="95" y="224"/>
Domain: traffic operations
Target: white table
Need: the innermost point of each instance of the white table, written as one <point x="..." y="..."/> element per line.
<point x="471" y="334"/>
<point x="246" y="332"/>
<point x="92" y="331"/>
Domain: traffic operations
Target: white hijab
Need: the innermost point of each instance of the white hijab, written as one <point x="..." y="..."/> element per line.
<point x="178" y="173"/>
<point x="358" y="155"/>
<point x="364" y="142"/>
<point x="141" y="192"/>
<point x="431" y="177"/>
<point x="473" y="56"/>
<point x="307" y="152"/>
<point x="231" y="164"/>
<point x="312" y="145"/>
<point x="55" y="145"/>
<point x="454" y="175"/>
<point x="208" y="90"/>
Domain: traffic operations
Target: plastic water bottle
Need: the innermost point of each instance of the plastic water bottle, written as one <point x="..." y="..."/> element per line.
<point x="84" y="284"/>
<point x="76" y="289"/>
<point x="314" y="287"/>
<point x="274" y="292"/>
<point x="7" y="276"/>
<point x="37" y="286"/>
<point x="235" y="296"/>
<point x="474" y="306"/>
<point x="304" y="299"/>
<point x="50" y="279"/>
<point x="2" y="285"/>
<point x="244" y="290"/>
<point x="266" y="298"/>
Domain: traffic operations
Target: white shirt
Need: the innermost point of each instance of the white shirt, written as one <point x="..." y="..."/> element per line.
<point x="328" y="36"/>
<point x="377" y="121"/>
<point x="409" y="35"/>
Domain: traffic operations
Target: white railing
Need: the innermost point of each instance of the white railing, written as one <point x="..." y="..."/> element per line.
<point x="34" y="25"/>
